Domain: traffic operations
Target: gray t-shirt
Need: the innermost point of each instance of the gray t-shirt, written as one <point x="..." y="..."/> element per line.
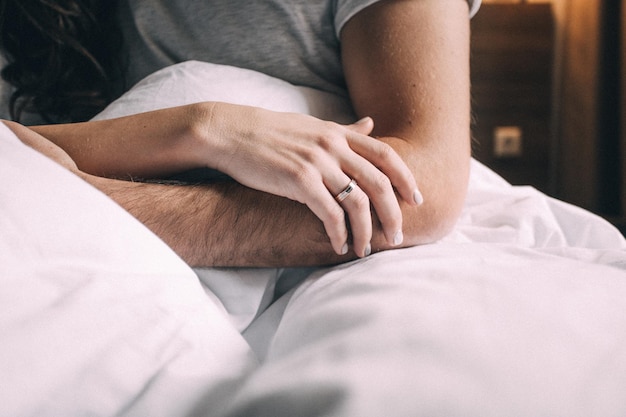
<point x="294" y="40"/>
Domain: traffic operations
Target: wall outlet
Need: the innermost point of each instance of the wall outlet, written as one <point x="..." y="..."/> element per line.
<point x="507" y="142"/>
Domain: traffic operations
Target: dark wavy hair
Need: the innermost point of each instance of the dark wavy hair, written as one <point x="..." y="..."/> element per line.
<point x="63" y="57"/>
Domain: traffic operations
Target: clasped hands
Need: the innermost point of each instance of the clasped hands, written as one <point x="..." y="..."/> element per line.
<point x="335" y="170"/>
<point x="315" y="162"/>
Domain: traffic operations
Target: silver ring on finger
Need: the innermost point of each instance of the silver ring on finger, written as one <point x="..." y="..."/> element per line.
<point x="346" y="191"/>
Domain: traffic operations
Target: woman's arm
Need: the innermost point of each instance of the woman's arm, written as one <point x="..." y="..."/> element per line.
<point x="296" y="156"/>
<point x="211" y="225"/>
<point x="147" y="145"/>
<point x="407" y="65"/>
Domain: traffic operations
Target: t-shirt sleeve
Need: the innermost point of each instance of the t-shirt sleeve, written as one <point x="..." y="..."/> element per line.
<point x="474" y="6"/>
<point x="348" y="8"/>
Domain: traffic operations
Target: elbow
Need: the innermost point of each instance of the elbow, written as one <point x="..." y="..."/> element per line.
<point x="438" y="221"/>
<point x="428" y="223"/>
<point x="432" y="223"/>
<point x="438" y="215"/>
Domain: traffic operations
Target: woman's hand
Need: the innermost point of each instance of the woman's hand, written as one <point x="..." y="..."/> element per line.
<point x="313" y="161"/>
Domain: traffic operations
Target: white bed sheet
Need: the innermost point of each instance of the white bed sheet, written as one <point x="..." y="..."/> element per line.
<point x="519" y="312"/>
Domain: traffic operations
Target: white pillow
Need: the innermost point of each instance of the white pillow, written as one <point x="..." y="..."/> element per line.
<point x="195" y="81"/>
<point x="98" y="316"/>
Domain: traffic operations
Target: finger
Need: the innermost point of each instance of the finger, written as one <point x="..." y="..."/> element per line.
<point x="363" y="126"/>
<point x="380" y="191"/>
<point x="357" y="205"/>
<point x="332" y="215"/>
<point x="386" y="159"/>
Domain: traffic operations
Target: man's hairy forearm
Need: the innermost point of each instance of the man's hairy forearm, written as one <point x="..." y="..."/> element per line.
<point x="225" y="224"/>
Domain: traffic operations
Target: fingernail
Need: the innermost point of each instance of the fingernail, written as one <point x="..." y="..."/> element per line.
<point x="368" y="250"/>
<point x="398" y="238"/>
<point x="344" y="248"/>
<point x="418" y="197"/>
<point x="363" y="120"/>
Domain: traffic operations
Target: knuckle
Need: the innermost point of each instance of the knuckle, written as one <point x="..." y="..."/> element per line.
<point x="381" y="184"/>
<point x="326" y="142"/>
<point x="329" y="137"/>
<point x="360" y="201"/>
<point x="336" y="217"/>
<point x="385" y="151"/>
<point x="318" y="149"/>
<point x="315" y="155"/>
<point x="303" y="176"/>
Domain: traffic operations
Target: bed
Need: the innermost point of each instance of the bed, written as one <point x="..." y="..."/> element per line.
<point x="520" y="311"/>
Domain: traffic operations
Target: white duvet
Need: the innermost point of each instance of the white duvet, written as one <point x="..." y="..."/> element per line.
<point x="521" y="311"/>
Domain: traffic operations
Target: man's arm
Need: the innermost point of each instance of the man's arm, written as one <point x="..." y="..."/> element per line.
<point x="407" y="66"/>
<point x="226" y="224"/>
